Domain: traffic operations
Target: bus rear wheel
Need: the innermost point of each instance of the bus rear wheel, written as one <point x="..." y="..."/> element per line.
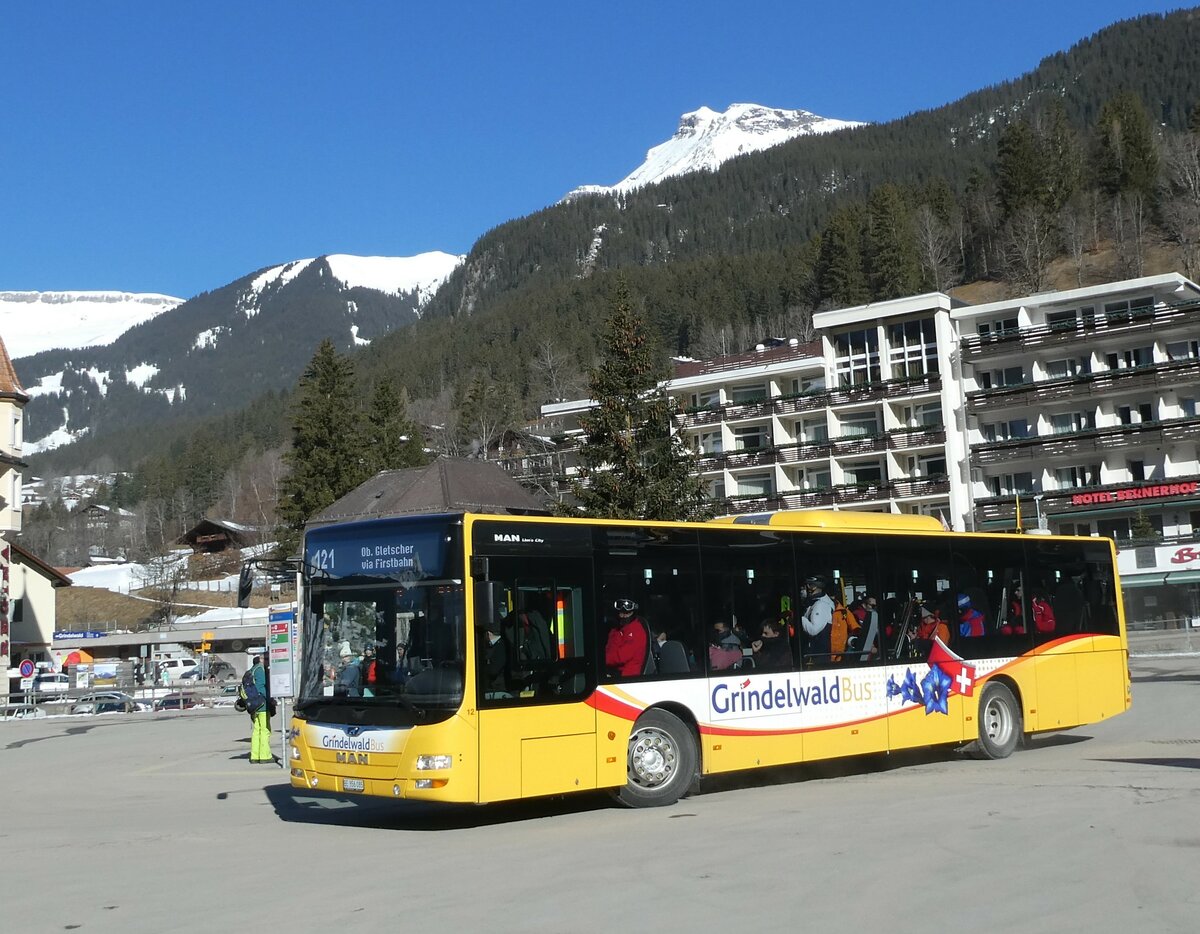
<point x="999" y="722"/>
<point x="661" y="761"/>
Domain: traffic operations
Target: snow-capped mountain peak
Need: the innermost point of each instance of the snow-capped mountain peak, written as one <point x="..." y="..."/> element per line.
<point x="31" y="322"/>
<point x="705" y="139"/>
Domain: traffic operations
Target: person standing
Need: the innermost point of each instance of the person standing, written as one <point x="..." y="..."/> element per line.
<point x="817" y="619"/>
<point x="254" y="689"/>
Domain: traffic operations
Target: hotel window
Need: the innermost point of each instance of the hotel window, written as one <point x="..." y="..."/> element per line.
<point x="1009" y="376"/>
<point x="1137" y="470"/>
<point x="912" y="349"/>
<point x="754" y="393"/>
<point x="870" y="474"/>
<point x="1060" y="369"/>
<point x="1006" y="431"/>
<point x="708" y="442"/>
<point x="1062" y="320"/>
<point x="705" y="400"/>
<point x="812" y="430"/>
<point x="807" y="384"/>
<point x="758" y="484"/>
<point x="753" y="438"/>
<point x="1010" y="484"/>
<point x="1072" y="477"/>
<point x="857" y="357"/>
<point x="1183" y="350"/>
<point x="1188" y="406"/>
<point x="1117" y="312"/>
<point x="1067" y="422"/>
<point x="860" y="425"/>
<point x="932" y="466"/>
<point x="1129" y="359"/>
<point x="997" y="327"/>
<point x="717" y="489"/>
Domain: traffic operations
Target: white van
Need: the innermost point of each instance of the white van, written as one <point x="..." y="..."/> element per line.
<point x="171" y="668"/>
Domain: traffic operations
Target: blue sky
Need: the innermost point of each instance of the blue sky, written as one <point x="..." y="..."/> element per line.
<point x="174" y="147"/>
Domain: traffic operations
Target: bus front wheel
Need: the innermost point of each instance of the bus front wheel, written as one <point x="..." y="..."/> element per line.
<point x="999" y="722"/>
<point x="661" y="761"/>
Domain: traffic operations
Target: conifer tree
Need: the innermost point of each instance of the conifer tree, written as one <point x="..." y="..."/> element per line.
<point x="1124" y="157"/>
<point x="891" y="241"/>
<point x="841" y="278"/>
<point x="392" y="440"/>
<point x="632" y="465"/>
<point x="326" y="459"/>
<point x="1020" y="173"/>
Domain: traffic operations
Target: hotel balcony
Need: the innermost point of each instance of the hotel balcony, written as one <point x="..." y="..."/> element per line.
<point x="1066" y="502"/>
<point x="1104" y="384"/>
<point x="978" y="347"/>
<point x="1086" y="441"/>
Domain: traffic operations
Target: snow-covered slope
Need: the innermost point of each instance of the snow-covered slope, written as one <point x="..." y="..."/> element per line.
<point x="705" y="139"/>
<point x="31" y="322"/>
<point x="394" y="275"/>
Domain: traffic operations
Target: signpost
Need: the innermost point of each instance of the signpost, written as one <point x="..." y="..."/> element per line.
<point x="281" y="661"/>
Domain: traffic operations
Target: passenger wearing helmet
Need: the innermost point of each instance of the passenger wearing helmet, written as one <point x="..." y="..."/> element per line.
<point x="628" y="641"/>
<point x="817" y="618"/>
<point x="970" y="620"/>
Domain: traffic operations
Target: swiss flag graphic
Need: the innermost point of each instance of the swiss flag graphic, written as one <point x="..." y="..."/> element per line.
<point x="962" y="673"/>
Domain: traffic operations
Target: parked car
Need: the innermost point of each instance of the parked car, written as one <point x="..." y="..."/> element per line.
<point x="170" y="669"/>
<point x="108" y="702"/>
<point x="215" y="668"/>
<point x="21" y="712"/>
<point x="178" y="700"/>
<point x="49" y="683"/>
<point x="228" y="695"/>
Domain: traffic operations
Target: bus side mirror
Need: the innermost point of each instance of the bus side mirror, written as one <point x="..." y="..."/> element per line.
<point x="479" y="568"/>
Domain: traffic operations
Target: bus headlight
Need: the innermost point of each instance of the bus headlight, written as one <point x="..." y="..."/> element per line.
<point x="428" y="763"/>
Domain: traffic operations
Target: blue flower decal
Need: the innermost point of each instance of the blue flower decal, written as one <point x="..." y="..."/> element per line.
<point x="892" y="687"/>
<point x="909" y="690"/>
<point x="937" y="691"/>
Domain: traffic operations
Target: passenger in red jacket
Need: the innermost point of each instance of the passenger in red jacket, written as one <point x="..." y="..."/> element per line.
<point x="970" y="620"/>
<point x="625" y="651"/>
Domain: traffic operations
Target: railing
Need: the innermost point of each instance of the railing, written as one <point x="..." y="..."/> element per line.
<point x="1082" y="440"/>
<point x="1102" y="383"/>
<point x="979" y="345"/>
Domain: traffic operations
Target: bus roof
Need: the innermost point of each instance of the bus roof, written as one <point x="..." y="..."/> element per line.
<point x="837" y="519"/>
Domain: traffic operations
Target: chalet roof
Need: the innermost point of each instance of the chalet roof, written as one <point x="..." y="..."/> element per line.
<point x="235" y="531"/>
<point x="10" y="386"/>
<point x="28" y="558"/>
<point x="449" y="484"/>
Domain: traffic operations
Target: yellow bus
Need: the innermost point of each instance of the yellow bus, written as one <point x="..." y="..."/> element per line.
<point x="482" y="658"/>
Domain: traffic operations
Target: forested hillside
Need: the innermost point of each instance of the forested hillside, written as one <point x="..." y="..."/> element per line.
<point x="1087" y="168"/>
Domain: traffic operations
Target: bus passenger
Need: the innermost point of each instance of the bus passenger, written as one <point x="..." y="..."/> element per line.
<point x="931" y="625"/>
<point x="628" y="641"/>
<point x="817" y="617"/>
<point x="495" y="660"/>
<point x="970" y="620"/>
<point x="1042" y="612"/>
<point x="771" y="649"/>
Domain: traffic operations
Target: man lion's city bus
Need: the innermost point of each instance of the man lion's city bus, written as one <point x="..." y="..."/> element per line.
<point x="461" y="658"/>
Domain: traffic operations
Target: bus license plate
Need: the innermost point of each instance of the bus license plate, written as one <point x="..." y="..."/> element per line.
<point x="352" y="784"/>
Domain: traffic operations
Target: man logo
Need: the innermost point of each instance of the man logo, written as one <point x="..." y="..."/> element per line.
<point x="502" y="537"/>
<point x="352" y="758"/>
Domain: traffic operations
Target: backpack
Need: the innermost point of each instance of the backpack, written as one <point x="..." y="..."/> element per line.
<point x="248" y="692"/>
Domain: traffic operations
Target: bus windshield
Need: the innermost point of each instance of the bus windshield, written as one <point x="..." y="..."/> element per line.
<point x="384" y="622"/>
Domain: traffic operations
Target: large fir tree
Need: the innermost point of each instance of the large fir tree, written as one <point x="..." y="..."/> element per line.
<point x="326" y="460"/>
<point x="632" y="465"/>
<point x="391" y="439"/>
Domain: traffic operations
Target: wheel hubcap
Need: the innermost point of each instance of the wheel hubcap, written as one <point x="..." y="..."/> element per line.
<point x="997" y="723"/>
<point x="652" y="758"/>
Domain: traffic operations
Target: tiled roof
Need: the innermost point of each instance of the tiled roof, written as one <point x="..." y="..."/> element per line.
<point x="9" y="384"/>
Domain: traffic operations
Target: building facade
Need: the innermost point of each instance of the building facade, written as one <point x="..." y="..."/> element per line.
<point x="1071" y="412"/>
<point x="12" y="403"/>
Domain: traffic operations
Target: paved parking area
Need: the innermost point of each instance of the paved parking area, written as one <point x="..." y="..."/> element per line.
<point x="153" y="822"/>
